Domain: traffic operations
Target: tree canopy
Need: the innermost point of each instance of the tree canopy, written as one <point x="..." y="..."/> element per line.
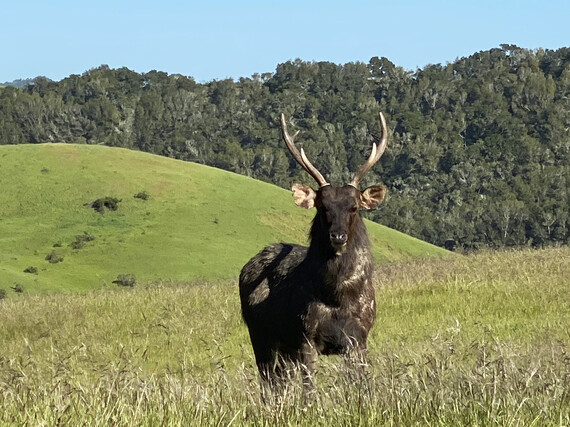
<point x="478" y="151"/>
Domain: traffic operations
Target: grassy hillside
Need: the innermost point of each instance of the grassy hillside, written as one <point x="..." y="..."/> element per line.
<point x="475" y="340"/>
<point x="198" y="222"/>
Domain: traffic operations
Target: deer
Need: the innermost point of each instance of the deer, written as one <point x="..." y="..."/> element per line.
<point x="301" y="302"/>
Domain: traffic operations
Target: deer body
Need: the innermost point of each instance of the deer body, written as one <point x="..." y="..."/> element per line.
<point x="298" y="301"/>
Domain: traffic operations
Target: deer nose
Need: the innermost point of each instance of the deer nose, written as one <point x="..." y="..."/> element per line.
<point x="338" y="238"/>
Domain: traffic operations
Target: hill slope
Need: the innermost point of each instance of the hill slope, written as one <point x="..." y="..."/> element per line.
<point x="198" y="222"/>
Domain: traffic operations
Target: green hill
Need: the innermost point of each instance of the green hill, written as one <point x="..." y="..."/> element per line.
<point x="198" y="222"/>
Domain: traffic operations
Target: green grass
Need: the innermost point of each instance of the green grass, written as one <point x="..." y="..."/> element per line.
<point x="467" y="340"/>
<point x="199" y="222"/>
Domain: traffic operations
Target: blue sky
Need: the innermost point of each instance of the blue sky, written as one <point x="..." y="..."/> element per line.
<point x="230" y="39"/>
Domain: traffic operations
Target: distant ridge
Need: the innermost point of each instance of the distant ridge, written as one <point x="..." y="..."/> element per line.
<point x="19" y="83"/>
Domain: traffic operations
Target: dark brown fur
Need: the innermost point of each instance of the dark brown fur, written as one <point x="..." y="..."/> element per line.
<point x="299" y="302"/>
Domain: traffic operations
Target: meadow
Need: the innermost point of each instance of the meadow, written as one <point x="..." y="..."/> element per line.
<point x="194" y="222"/>
<point x="480" y="339"/>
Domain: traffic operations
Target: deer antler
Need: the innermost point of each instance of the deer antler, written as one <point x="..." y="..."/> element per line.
<point x="300" y="157"/>
<point x="374" y="156"/>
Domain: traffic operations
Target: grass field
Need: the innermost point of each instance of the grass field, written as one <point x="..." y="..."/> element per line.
<point x="198" y="222"/>
<point x="467" y="340"/>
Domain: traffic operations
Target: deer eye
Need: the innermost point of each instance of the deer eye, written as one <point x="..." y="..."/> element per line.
<point x="354" y="209"/>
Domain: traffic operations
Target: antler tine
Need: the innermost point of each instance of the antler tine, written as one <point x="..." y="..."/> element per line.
<point x="300" y="157"/>
<point x="377" y="152"/>
<point x="290" y="141"/>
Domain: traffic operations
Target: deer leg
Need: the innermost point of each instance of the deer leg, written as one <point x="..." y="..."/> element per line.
<point x="355" y="357"/>
<point x="308" y="364"/>
<point x="275" y="377"/>
<point x="355" y="353"/>
<point x="269" y="365"/>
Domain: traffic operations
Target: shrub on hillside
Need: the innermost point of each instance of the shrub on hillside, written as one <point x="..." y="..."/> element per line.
<point x="143" y="195"/>
<point x="54" y="258"/>
<point x="127" y="280"/>
<point x="31" y="270"/>
<point x="3" y="293"/>
<point x="81" y="239"/>
<point x="105" y="203"/>
<point x="78" y="244"/>
<point x="18" y="288"/>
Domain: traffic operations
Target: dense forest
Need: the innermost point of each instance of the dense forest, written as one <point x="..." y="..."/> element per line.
<point x="478" y="155"/>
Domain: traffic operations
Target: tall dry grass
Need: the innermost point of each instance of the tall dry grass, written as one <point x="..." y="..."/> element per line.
<point x="475" y="340"/>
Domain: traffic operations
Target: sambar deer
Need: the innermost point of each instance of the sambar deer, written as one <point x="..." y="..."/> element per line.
<point x="299" y="301"/>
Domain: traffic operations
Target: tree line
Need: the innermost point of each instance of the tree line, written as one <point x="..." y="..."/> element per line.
<point x="478" y="151"/>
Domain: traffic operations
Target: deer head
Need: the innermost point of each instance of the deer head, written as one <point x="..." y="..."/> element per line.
<point x="337" y="207"/>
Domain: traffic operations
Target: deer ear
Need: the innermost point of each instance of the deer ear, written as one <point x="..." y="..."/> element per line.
<point x="372" y="197"/>
<point x="304" y="196"/>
